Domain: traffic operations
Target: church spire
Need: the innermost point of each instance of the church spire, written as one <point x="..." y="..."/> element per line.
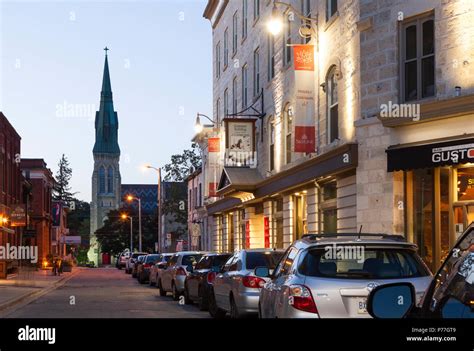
<point x="106" y="119"/>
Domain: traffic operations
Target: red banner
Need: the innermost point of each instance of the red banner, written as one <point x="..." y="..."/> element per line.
<point x="266" y="231"/>
<point x="247" y="235"/>
<point x="305" y="121"/>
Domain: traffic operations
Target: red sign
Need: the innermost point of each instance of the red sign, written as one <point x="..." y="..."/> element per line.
<point x="304" y="57"/>
<point x="247" y="235"/>
<point x="212" y="189"/>
<point x="305" y="138"/>
<point x="214" y="144"/>
<point x="266" y="231"/>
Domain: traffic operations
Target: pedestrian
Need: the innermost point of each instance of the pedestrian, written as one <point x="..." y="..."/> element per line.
<point x="55" y="267"/>
<point x="60" y="265"/>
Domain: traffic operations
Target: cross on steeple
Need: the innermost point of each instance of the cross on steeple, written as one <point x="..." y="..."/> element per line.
<point x="106" y="49"/>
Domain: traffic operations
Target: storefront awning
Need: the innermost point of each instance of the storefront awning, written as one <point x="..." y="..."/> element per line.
<point x="431" y="154"/>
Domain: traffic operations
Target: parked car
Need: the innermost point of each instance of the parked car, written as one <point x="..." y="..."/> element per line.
<point x="172" y="278"/>
<point x="122" y="259"/>
<point x="135" y="265"/>
<point x="131" y="261"/>
<point x="143" y="268"/>
<point x="450" y="294"/>
<point x="331" y="275"/>
<point x="236" y="289"/>
<point x="161" y="264"/>
<point x="199" y="280"/>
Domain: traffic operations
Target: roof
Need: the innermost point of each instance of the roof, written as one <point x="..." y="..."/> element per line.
<point x="238" y="179"/>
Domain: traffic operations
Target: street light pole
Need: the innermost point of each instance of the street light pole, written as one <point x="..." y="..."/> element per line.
<point x="140" y="225"/>
<point x="131" y="234"/>
<point x="159" y="203"/>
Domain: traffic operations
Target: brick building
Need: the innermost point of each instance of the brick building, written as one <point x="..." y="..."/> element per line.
<point x="36" y="172"/>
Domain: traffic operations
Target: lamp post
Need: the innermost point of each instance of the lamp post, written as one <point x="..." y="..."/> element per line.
<point x="275" y="24"/>
<point x="131" y="198"/>
<point x="124" y="217"/>
<point x="198" y="127"/>
<point x="158" y="170"/>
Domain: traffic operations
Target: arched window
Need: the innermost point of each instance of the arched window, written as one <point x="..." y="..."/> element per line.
<point x="288" y="135"/>
<point x="102" y="180"/>
<point x="332" y="106"/>
<point x="271" y="142"/>
<point x="110" y="180"/>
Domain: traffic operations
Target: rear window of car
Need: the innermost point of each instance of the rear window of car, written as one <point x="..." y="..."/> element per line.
<point x="189" y="260"/>
<point x="359" y="262"/>
<point x="263" y="259"/>
<point x="135" y="255"/>
<point x="151" y="258"/>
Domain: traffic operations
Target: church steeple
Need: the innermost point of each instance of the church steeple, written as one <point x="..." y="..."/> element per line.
<point x="106" y="119"/>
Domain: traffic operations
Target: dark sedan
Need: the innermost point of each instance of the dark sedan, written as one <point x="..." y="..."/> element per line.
<point x="196" y="286"/>
<point x="143" y="268"/>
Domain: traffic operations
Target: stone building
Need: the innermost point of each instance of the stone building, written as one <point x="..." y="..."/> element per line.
<point x="392" y="102"/>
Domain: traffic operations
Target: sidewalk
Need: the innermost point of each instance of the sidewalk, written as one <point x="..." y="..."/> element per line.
<point x="27" y="283"/>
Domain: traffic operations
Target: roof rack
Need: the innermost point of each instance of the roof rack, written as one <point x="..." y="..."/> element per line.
<point x="394" y="237"/>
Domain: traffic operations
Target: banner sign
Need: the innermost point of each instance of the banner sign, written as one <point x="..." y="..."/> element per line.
<point x="305" y="130"/>
<point x="266" y="231"/>
<point x="56" y="214"/>
<point x="214" y="154"/>
<point x="18" y="216"/>
<point x="240" y="143"/>
<point x="247" y="234"/>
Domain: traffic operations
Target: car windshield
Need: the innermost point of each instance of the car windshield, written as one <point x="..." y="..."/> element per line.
<point x="218" y="261"/>
<point x="360" y="262"/>
<point x="263" y="259"/>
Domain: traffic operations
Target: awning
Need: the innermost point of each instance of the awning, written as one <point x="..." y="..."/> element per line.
<point x="431" y="154"/>
<point x="235" y="180"/>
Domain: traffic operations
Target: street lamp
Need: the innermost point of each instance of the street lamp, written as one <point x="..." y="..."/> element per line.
<point x="158" y="170"/>
<point x="275" y="24"/>
<point x="124" y="216"/>
<point x="131" y="198"/>
<point x="198" y="127"/>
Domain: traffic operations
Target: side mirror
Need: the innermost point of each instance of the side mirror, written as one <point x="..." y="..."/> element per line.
<point x="262" y="272"/>
<point x="391" y="300"/>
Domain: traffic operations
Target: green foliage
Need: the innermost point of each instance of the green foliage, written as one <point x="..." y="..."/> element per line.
<point x="182" y="165"/>
<point x="62" y="189"/>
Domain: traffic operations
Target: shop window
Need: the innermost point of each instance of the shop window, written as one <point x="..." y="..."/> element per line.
<point x="466" y="184"/>
<point x="418" y="55"/>
<point x="301" y="216"/>
<point x="278" y="223"/>
<point x="328" y="207"/>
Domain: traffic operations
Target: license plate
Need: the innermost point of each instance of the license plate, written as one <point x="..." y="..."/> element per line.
<point x="362" y="306"/>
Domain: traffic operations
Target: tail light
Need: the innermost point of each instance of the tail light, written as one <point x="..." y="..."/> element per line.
<point x="211" y="276"/>
<point x="302" y="299"/>
<point x="146" y="265"/>
<point x="180" y="271"/>
<point x="253" y="282"/>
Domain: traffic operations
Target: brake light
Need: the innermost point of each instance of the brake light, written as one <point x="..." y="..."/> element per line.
<point x="253" y="282"/>
<point x="211" y="276"/>
<point x="180" y="271"/>
<point x="147" y="265"/>
<point x="302" y="299"/>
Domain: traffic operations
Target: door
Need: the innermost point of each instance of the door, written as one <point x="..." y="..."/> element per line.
<point x="220" y="283"/>
<point x="277" y="293"/>
<point x="166" y="275"/>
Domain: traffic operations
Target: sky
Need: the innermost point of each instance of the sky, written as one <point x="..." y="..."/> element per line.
<point x="51" y="65"/>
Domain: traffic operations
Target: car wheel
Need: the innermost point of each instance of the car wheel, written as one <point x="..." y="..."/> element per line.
<point x="134" y="274"/>
<point x="187" y="300"/>
<point x="162" y="292"/>
<point x="140" y="279"/>
<point x="174" y="292"/>
<point x="215" y="311"/>
<point x="259" y="311"/>
<point x="150" y="282"/>
<point x="202" y="301"/>
<point x="234" y="311"/>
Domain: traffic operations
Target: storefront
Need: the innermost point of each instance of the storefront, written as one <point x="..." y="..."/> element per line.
<point x="438" y="181"/>
<point x="316" y="196"/>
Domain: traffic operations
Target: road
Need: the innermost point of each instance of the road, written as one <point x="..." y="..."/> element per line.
<point x="105" y="293"/>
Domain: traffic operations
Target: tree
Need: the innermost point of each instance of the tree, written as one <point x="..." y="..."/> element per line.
<point x="62" y="189"/>
<point x="182" y="165"/>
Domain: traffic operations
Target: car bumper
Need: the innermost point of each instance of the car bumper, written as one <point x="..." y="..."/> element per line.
<point x="247" y="301"/>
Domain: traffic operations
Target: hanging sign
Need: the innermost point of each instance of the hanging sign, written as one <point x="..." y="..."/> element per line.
<point x="305" y="130"/>
<point x="266" y="231"/>
<point x="214" y="149"/>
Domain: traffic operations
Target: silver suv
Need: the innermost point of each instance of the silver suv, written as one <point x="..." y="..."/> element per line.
<point x="331" y="276"/>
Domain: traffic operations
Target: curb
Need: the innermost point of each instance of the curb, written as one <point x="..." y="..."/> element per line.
<point x="36" y="294"/>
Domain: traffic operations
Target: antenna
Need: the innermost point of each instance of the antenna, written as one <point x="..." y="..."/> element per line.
<point x="360" y="232"/>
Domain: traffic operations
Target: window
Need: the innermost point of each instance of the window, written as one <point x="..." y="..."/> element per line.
<point x="331" y="8"/>
<point x="271" y="126"/>
<point x="234" y="33"/>
<point x="256" y="9"/>
<point x="200" y="195"/>
<point x="110" y="180"/>
<point x="234" y="95"/>
<point x="226" y="48"/>
<point x="244" y="18"/>
<point x="328" y="207"/>
<point x="218" y="109"/>
<point x="190" y="200"/>
<point x="271" y="57"/>
<point x="256" y="73"/>
<point x="244" y="86"/>
<point x="332" y="106"/>
<point x="102" y="183"/>
<point x="226" y="102"/>
<point x="218" y="60"/>
<point x="306" y="11"/>
<point x="417" y="52"/>
<point x="287" y="41"/>
<point x="288" y="116"/>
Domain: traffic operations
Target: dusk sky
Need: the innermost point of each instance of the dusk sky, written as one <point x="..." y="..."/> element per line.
<point x="52" y="61"/>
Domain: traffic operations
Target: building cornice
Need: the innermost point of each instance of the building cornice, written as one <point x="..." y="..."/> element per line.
<point x="214" y="11"/>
